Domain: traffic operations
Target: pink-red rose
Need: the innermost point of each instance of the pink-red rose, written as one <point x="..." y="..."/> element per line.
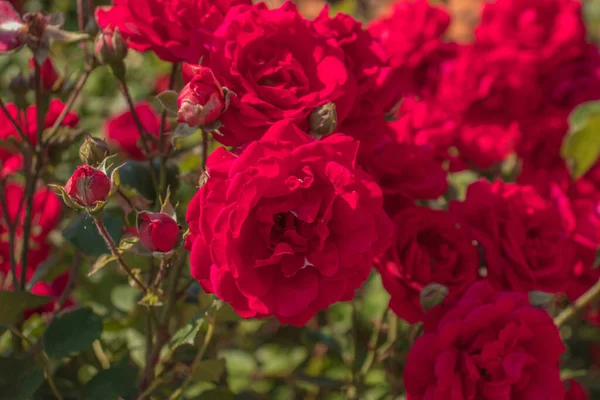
<point x="88" y="186"/>
<point x="159" y="232"/>
<point x="287" y="227"/>
<point x="278" y="66"/>
<point x="430" y="247"/>
<point x="202" y="100"/>
<point x="525" y="243"/>
<point x="123" y="133"/>
<point x="486" y="345"/>
<point x="164" y="26"/>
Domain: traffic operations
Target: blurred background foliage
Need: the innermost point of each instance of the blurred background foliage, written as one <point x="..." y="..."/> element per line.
<point x="254" y="359"/>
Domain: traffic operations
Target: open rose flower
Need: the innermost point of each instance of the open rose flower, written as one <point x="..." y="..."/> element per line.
<point x="525" y="243"/>
<point x="288" y="227"/>
<point x="278" y="67"/>
<point x="486" y="345"/>
<point x="430" y="247"/>
<point x="164" y="27"/>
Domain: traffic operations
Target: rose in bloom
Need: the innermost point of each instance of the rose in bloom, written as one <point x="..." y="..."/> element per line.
<point x="164" y="26"/>
<point x="405" y="170"/>
<point x="486" y="345"/>
<point x="28" y="122"/>
<point x="430" y="247"/>
<point x="412" y="37"/>
<point x="288" y="227"/>
<point x="576" y="391"/>
<point x="202" y="100"/>
<point x="553" y="30"/>
<point x="159" y="232"/>
<point x="278" y="67"/>
<point x="487" y="143"/>
<point x="525" y="243"/>
<point x="123" y="133"/>
<point x="88" y="186"/>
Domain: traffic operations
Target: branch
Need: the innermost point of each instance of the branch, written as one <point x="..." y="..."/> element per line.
<point x="591" y="296"/>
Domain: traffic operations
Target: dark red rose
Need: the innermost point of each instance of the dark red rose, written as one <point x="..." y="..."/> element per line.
<point x="486" y="345"/>
<point x="202" y="100"/>
<point x="552" y="30"/>
<point x="278" y="67"/>
<point x="486" y="143"/>
<point x="123" y="133"/>
<point x="430" y="247"/>
<point x="405" y="170"/>
<point x="288" y="227"/>
<point x="159" y="232"/>
<point x="88" y="186"/>
<point x="576" y="391"/>
<point x="526" y="245"/>
<point x="28" y="122"/>
<point x="412" y="37"/>
<point x="164" y="26"/>
<point x="50" y="78"/>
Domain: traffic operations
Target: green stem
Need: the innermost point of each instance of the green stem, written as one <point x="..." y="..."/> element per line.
<point x="372" y="345"/>
<point x="591" y="296"/>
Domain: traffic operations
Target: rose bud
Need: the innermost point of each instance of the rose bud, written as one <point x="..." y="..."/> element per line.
<point x="110" y="47"/>
<point x="202" y="100"/>
<point x="323" y="120"/>
<point x="87" y="186"/>
<point x="93" y="150"/>
<point x="159" y="232"/>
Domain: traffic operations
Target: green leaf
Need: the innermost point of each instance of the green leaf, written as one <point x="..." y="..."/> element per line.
<point x="208" y="370"/>
<point x="71" y="332"/>
<point x="188" y="332"/>
<point x="137" y="175"/>
<point x="117" y="381"/>
<point x="215" y="394"/>
<point x="82" y="233"/>
<point x="168" y="99"/>
<point x="581" y="147"/>
<point x="101" y="262"/>
<point x="13" y="304"/>
<point x="19" y="378"/>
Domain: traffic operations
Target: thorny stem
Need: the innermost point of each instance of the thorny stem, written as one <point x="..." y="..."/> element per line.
<point x="204" y="149"/>
<point x="207" y="338"/>
<point x="162" y="137"/>
<point x="592" y="295"/>
<point x="11" y="235"/>
<point x="145" y="139"/>
<point x="115" y="252"/>
<point x="81" y="23"/>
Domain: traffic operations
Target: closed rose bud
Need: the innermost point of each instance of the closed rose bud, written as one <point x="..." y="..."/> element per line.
<point x="93" y="150"/>
<point x="323" y="120"/>
<point x="87" y="186"/>
<point x="202" y="100"/>
<point x="110" y="47"/>
<point x="158" y="232"/>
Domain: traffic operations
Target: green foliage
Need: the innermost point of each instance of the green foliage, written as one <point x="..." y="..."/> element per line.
<point x="113" y="383"/>
<point x="208" y="370"/>
<point x="581" y="146"/>
<point x="13" y="304"/>
<point x="71" y="332"/>
<point x="82" y="233"/>
<point x="19" y="378"/>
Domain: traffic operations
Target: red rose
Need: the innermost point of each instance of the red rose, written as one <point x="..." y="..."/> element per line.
<point x="202" y="100"/>
<point x="159" y="232"/>
<point x="87" y="186"/>
<point x="122" y="131"/>
<point x="50" y="78"/>
<point x="526" y="246"/>
<point x="553" y="30"/>
<point x="13" y="34"/>
<point x="576" y="391"/>
<point x="430" y="247"/>
<point x="412" y="37"/>
<point x="53" y="290"/>
<point x="278" y="67"/>
<point x="487" y="143"/>
<point x="404" y="170"/>
<point x="288" y="227"/>
<point x="110" y="47"/>
<point x="486" y="345"/>
<point x="28" y="122"/>
<point x="164" y="27"/>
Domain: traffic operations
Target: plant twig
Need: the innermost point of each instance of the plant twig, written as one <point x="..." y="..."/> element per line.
<point x="162" y="145"/>
<point x="592" y="295"/>
<point x="11" y="235"/>
<point x="372" y="345"/>
<point x="115" y="252"/>
<point x="207" y="338"/>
